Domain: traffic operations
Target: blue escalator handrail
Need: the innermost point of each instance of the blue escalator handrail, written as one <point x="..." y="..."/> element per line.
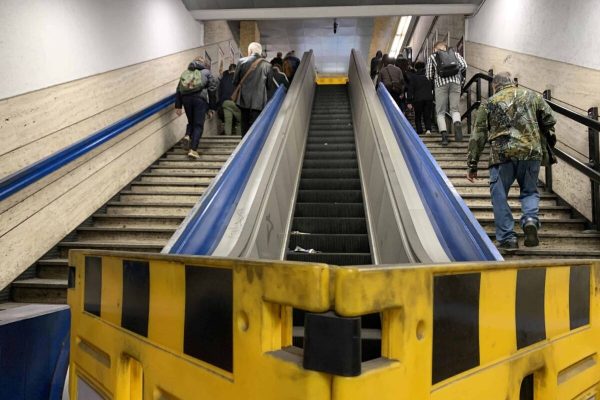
<point x="205" y="228"/>
<point x="458" y="231"/>
<point x="46" y="166"/>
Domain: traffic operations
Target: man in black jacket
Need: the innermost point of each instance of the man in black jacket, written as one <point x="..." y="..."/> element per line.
<point x="420" y="96"/>
<point x="232" y="116"/>
<point x="255" y="77"/>
<point x="376" y="64"/>
<point x="196" y="104"/>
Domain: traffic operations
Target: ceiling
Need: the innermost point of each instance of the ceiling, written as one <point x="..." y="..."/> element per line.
<point x="332" y="52"/>
<point x="232" y="4"/>
<point x="294" y="9"/>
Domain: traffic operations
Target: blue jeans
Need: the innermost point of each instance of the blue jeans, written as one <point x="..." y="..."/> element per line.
<point x="501" y="177"/>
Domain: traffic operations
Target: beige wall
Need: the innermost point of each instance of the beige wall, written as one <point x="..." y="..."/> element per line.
<point x="384" y="29"/>
<point x="572" y="86"/>
<point x="39" y="123"/>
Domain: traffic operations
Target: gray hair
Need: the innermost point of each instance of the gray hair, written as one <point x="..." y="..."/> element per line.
<point x="254" y="47"/>
<point x="502" y="79"/>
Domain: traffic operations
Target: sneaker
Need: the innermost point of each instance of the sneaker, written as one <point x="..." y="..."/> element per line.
<point x="444" y="138"/>
<point x="509" y="244"/>
<point x="427" y="133"/>
<point x="531" y="233"/>
<point x="458" y="131"/>
<point x="193" y="154"/>
<point x="185" y="142"/>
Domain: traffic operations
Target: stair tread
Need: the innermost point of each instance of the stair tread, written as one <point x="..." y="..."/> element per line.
<point x="42" y="283"/>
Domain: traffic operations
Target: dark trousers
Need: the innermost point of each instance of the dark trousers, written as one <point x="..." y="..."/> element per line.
<point x="195" y="110"/>
<point x="248" y="118"/>
<point x="423" y="111"/>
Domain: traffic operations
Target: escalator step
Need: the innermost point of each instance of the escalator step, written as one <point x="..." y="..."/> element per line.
<point x="321" y="140"/>
<point x="327" y="132"/>
<point x="329" y="225"/>
<point x="322" y="164"/>
<point x="358" y="243"/>
<point x="332" y="258"/>
<point x="329" y="196"/>
<point x="316" y="173"/>
<point x="333" y="210"/>
<point x="330" y="184"/>
<point x="329" y="155"/>
<point x="330" y="147"/>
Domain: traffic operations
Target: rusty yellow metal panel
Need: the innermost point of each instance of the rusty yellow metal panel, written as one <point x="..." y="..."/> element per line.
<point x="112" y="295"/>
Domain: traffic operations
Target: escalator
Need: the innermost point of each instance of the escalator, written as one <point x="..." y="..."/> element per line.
<point x="329" y="222"/>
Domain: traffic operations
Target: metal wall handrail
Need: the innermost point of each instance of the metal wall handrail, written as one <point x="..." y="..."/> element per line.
<point x="591" y="169"/>
<point x="46" y="166"/>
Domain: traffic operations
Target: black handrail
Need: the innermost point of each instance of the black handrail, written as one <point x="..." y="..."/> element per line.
<point x="591" y="170"/>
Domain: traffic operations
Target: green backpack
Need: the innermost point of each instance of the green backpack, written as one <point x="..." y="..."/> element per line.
<point x="191" y="81"/>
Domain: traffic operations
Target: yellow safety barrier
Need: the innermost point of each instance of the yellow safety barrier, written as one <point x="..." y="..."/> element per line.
<point x="169" y="327"/>
<point x="332" y="79"/>
<point x="493" y="331"/>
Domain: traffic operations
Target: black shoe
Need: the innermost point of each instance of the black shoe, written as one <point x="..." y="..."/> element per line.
<point x="531" y="233"/>
<point x="509" y="244"/>
<point x="458" y="131"/>
<point x="444" y="138"/>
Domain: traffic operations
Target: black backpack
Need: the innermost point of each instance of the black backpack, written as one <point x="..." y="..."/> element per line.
<point x="447" y="63"/>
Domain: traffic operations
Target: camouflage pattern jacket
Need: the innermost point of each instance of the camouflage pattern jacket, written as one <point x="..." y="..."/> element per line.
<point x="510" y="121"/>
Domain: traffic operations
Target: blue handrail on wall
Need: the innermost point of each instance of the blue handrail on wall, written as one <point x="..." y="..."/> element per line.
<point x="40" y="169"/>
<point x="205" y="228"/>
<point x="458" y="231"/>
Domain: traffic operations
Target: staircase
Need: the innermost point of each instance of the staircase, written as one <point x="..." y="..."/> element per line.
<point x="563" y="233"/>
<point x="142" y="217"/>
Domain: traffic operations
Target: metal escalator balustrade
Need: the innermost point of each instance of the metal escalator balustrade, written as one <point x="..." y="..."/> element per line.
<point x="142" y="217"/>
<point x="329" y="222"/>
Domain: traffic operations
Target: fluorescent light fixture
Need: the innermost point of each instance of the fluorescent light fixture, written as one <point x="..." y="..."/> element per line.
<point x="400" y="35"/>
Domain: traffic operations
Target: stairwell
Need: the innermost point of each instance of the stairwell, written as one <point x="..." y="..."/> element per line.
<point x="142" y="217"/>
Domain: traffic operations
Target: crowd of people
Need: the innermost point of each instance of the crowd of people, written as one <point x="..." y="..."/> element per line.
<point x="237" y="97"/>
<point x="517" y="123"/>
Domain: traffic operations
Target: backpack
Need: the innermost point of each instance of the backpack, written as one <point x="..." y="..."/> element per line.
<point x="191" y="81"/>
<point x="396" y="87"/>
<point x="447" y="63"/>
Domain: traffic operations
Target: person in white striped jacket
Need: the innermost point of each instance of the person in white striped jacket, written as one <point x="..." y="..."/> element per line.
<point x="447" y="86"/>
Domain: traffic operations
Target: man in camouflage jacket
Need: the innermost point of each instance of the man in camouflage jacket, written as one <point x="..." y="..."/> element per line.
<point x="518" y="123"/>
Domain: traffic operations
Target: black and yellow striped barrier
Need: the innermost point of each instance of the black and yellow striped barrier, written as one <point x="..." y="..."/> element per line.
<point x="493" y="331"/>
<point x="170" y="327"/>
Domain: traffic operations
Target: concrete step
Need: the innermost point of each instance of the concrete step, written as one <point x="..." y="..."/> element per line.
<point x="194" y="164"/>
<point x="158" y="197"/>
<point x="137" y="188"/>
<point x="189" y="179"/>
<point x="38" y="290"/>
<point x="138" y="208"/>
<point x="177" y="158"/>
<point x="138" y="234"/>
<point x="180" y="155"/>
<point x="136" y="221"/>
<point x="484" y="190"/>
<point x="559" y="240"/>
<point x="462" y="163"/>
<point x="549" y="224"/>
<point x="539" y="253"/>
<point x="556" y="212"/>
<point x="513" y="202"/>
<point x="169" y="171"/>
<point x="204" y="149"/>
<point x="53" y="268"/>
<point x="143" y="247"/>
